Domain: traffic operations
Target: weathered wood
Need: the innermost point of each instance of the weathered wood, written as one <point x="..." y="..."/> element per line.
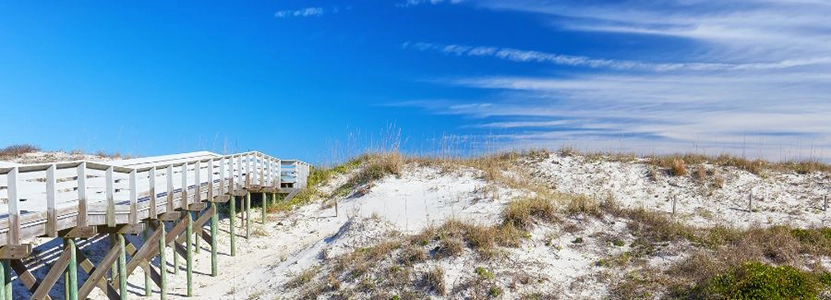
<point x="122" y="229"/>
<point x="212" y="242"/>
<point x="13" y="235"/>
<point x="151" y="178"/>
<point x="58" y="267"/>
<point x="72" y="270"/>
<point x="122" y="267"/>
<point x="83" y="232"/>
<point x="197" y="171"/>
<point x="51" y="211"/>
<point x="15" y="251"/>
<point x="169" y="177"/>
<point x="247" y="216"/>
<point x="184" y="199"/>
<point x="89" y="268"/>
<point x="82" y="195"/>
<point x="221" y="199"/>
<point x="210" y="180"/>
<point x="189" y="263"/>
<point x="162" y="264"/>
<point x="26" y="277"/>
<point x="133" y="197"/>
<point x="171" y="216"/>
<point x="197" y="206"/>
<point x="110" y="197"/>
<point x="98" y="273"/>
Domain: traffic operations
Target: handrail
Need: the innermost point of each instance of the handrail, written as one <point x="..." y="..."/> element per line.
<point x="64" y="189"/>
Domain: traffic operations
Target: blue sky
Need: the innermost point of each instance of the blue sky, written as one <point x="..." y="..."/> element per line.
<point x="317" y="80"/>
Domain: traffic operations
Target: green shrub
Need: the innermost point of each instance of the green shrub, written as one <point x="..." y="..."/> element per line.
<point x="755" y="280"/>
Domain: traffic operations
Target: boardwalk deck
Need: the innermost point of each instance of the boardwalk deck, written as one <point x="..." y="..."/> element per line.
<point x="81" y="198"/>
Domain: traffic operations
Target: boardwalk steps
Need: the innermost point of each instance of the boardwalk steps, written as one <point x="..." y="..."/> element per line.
<point x="80" y="200"/>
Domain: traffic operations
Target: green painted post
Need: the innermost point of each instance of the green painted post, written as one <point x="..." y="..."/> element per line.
<point x="265" y="206"/>
<point x="198" y="232"/>
<point x="231" y="229"/>
<point x="163" y="263"/>
<point x="7" y="279"/>
<point x="3" y="279"/>
<point x="66" y="274"/>
<point x="214" y="224"/>
<point x="175" y="256"/>
<point x="247" y="215"/>
<point x="122" y="267"/>
<point x="73" y="270"/>
<point x="189" y="248"/>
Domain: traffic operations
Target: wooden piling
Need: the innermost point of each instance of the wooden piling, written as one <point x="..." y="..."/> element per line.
<point x="175" y="257"/>
<point x="231" y="228"/>
<point x="198" y="232"/>
<point x="162" y="263"/>
<point x="214" y="238"/>
<point x="7" y="279"/>
<point x="3" y="266"/>
<point x="148" y="290"/>
<point x="265" y="206"/>
<point x="73" y="270"/>
<point x="189" y="251"/>
<point x="122" y="267"/>
<point x="247" y="215"/>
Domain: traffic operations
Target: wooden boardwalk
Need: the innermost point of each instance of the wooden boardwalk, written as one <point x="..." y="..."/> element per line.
<point x="84" y="199"/>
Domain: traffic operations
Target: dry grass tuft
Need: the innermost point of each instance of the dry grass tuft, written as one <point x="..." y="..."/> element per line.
<point x="521" y="213"/>
<point x="433" y="281"/>
<point x="15" y="151"/>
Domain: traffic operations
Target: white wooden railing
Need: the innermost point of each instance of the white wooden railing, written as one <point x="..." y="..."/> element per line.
<point x="42" y="199"/>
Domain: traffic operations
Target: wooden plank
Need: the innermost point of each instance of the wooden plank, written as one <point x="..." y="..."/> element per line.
<point x="151" y="178"/>
<point x="231" y="186"/>
<point x="13" y="236"/>
<point x="96" y="276"/>
<point x="221" y="199"/>
<point x="133" y="197"/>
<point x="197" y="206"/>
<point x="26" y="277"/>
<point x="15" y="251"/>
<point x="171" y="216"/>
<point x="82" y="195"/>
<point x="110" y="189"/>
<point x="134" y="229"/>
<point x="83" y="232"/>
<point x="51" y="212"/>
<point x="55" y="272"/>
<point x="89" y="268"/>
<point x="210" y="179"/>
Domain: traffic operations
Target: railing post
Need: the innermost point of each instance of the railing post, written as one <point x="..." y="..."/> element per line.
<point x="82" y="194"/>
<point x="184" y="200"/>
<point x="51" y="212"/>
<point x="211" y="180"/>
<point x="151" y="175"/>
<point x="133" y="197"/>
<point x="169" y="175"/>
<point x="239" y="167"/>
<point x="197" y="171"/>
<point x="110" y="189"/>
<point x="222" y="176"/>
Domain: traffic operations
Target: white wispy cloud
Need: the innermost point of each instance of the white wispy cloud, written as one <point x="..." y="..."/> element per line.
<point x="756" y="75"/>
<point x="584" y="61"/>
<point x="304" y="12"/>
<point x="410" y="3"/>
